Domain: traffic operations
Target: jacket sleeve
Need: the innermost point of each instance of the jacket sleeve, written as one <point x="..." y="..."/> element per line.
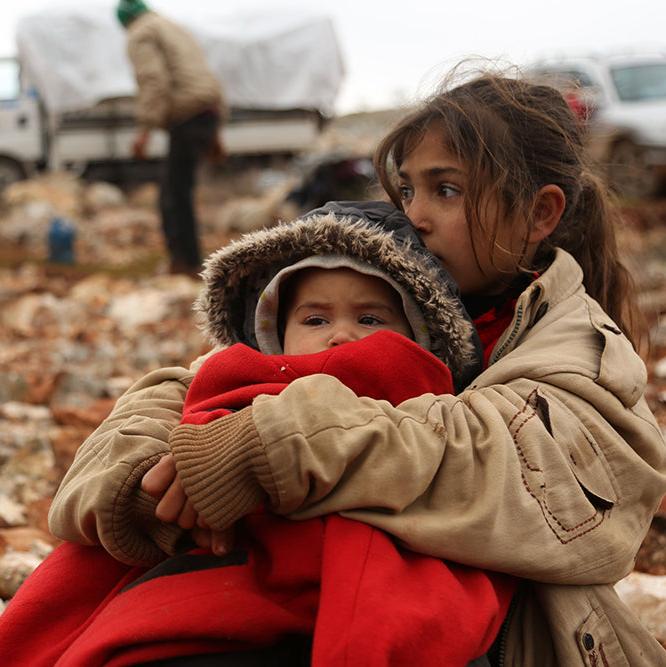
<point x="152" y="76"/>
<point x="100" y="500"/>
<point x="522" y="477"/>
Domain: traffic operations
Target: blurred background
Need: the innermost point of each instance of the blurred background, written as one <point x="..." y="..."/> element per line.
<point x="87" y="304"/>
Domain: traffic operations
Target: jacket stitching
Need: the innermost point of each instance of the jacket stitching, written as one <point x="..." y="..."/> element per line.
<point x="543" y="504"/>
<point x="602" y="655"/>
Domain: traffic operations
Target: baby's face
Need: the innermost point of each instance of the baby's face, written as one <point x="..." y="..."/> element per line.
<point x="328" y="307"/>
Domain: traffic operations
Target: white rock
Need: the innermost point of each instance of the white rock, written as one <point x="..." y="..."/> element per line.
<point x="41" y="549"/>
<point x="15" y="411"/>
<point x="660" y="369"/>
<point x="145" y="306"/>
<point x="11" y="513"/>
<point x="645" y="595"/>
<point x="41" y="315"/>
<point x="99" y="196"/>
<point x="15" y="568"/>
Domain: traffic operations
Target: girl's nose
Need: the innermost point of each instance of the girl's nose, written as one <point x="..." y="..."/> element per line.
<point x="418" y="213"/>
<point x="422" y="225"/>
<point x="341" y="335"/>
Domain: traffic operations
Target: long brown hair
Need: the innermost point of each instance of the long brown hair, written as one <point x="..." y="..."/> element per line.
<point x="514" y="137"/>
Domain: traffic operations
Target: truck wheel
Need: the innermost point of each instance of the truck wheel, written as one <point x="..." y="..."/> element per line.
<point x="10" y="172"/>
<point x="627" y="172"/>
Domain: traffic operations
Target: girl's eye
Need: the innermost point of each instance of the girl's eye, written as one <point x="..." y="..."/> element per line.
<point x="405" y="192"/>
<point x="447" y="190"/>
<point x="370" y="320"/>
<point x="315" y="321"/>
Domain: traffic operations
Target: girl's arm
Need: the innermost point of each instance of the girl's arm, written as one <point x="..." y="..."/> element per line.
<point x="525" y="477"/>
<point x="100" y="500"/>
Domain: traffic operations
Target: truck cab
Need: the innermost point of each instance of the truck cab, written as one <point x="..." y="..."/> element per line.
<point x="22" y="135"/>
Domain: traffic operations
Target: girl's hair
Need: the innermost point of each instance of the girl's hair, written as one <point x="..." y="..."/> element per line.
<point x="514" y="137"/>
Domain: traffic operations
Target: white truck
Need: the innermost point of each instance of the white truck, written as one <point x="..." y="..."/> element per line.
<point x="66" y="99"/>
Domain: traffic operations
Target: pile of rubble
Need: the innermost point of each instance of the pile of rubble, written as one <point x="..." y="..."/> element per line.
<point x="73" y="338"/>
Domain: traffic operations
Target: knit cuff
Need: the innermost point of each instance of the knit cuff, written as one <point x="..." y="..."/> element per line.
<point x="164" y="535"/>
<point x="136" y="536"/>
<point x="223" y="467"/>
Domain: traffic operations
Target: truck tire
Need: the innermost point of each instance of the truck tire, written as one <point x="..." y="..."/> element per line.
<point x="10" y="172"/>
<point x="628" y="174"/>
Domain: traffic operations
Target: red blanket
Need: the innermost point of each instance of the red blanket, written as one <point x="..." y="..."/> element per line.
<point x="364" y="600"/>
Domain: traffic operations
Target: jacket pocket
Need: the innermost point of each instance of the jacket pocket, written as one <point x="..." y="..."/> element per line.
<point x="598" y="642"/>
<point x="563" y="468"/>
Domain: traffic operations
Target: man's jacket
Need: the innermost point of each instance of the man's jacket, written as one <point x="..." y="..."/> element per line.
<point x="174" y="80"/>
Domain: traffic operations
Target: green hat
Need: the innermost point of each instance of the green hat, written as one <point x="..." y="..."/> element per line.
<point x="128" y="10"/>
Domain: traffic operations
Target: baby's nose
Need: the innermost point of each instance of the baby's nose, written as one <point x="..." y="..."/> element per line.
<point x="342" y="335"/>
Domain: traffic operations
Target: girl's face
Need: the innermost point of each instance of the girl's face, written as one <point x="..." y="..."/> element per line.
<point x="432" y="188"/>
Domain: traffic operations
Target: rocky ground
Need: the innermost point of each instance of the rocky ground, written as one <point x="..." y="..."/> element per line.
<point x="74" y="337"/>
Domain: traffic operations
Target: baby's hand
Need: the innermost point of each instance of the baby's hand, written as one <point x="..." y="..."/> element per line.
<point x="162" y="482"/>
<point x="220" y="542"/>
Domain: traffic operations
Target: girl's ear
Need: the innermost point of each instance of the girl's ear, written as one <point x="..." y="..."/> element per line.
<point x="549" y="206"/>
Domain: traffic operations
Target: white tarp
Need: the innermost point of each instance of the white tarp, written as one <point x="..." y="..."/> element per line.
<point x="76" y="57"/>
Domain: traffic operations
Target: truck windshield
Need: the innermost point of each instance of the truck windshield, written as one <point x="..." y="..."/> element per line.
<point x="9" y="79"/>
<point x="636" y="83"/>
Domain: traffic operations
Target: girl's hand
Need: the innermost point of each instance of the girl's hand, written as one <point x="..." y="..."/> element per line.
<point x="162" y="482"/>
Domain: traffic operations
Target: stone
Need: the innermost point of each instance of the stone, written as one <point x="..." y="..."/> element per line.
<point x="24" y="412"/>
<point x="13" y="387"/>
<point x="91" y="415"/>
<point x="15" y="568"/>
<point x="11" y="513"/>
<point x="145" y="306"/>
<point x="42" y="316"/>
<point x="101" y="195"/>
<point x="660" y="369"/>
<point x="61" y="190"/>
<point x="645" y="595"/>
<point x="77" y="389"/>
<point x="246" y="214"/>
<point x="33" y="540"/>
<point x="145" y="196"/>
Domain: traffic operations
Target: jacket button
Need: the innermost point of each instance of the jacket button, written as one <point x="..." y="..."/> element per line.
<point x="588" y="641"/>
<point x="541" y="311"/>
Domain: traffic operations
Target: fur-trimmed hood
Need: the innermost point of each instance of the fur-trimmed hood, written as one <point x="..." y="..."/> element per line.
<point x="373" y="233"/>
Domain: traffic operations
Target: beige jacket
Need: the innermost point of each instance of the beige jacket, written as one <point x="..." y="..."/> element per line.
<point x="549" y="467"/>
<point x="174" y="80"/>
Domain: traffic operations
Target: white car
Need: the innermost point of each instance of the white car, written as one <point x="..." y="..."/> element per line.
<point x="622" y="100"/>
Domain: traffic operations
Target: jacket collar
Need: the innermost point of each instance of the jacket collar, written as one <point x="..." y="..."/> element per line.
<point x="559" y="281"/>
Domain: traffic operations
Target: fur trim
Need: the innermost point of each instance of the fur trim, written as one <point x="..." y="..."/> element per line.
<point x="236" y="274"/>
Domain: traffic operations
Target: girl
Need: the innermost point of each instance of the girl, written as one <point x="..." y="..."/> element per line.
<point x="549" y="466"/>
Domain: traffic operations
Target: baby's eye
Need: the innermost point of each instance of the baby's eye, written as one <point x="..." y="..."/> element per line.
<point x="405" y="192"/>
<point x="370" y="320"/>
<point x="447" y="190"/>
<point x="315" y="321"/>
